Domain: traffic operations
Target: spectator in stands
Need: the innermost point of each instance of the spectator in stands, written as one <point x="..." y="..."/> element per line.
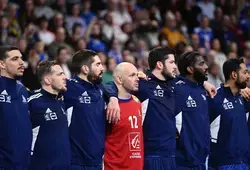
<point x="22" y="46"/>
<point x="59" y="6"/>
<point x="14" y="26"/>
<point x="214" y="75"/>
<point x="87" y="15"/>
<point x="76" y="34"/>
<point x="57" y="22"/>
<point x="108" y="74"/>
<point x="30" y="79"/>
<point x="224" y="33"/>
<point x="26" y="13"/>
<point x="96" y="43"/>
<point x="60" y="38"/>
<point x="39" y="47"/>
<point x="219" y="56"/>
<point x="195" y="41"/>
<point x="115" y="51"/>
<point x="205" y="33"/>
<point x="80" y="44"/>
<point x="207" y="7"/>
<point x="46" y="36"/>
<point x="121" y="15"/>
<point x="63" y="58"/>
<point x="41" y="9"/>
<point x="75" y="18"/>
<point x="170" y="32"/>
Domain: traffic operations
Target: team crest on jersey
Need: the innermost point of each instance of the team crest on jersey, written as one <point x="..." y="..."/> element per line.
<point x="159" y="92"/>
<point x="5" y="97"/>
<point x="85" y="98"/>
<point x="227" y="104"/>
<point x="191" y="102"/>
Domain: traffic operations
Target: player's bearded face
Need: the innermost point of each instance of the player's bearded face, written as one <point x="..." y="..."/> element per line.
<point x="200" y="70"/>
<point x="241" y="84"/>
<point x="200" y="75"/>
<point x="169" y="67"/>
<point x="168" y="74"/>
<point x="95" y="77"/>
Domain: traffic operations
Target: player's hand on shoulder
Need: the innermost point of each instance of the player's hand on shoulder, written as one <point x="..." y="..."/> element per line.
<point x="245" y="93"/>
<point x="210" y="88"/>
<point x="113" y="110"/>
<point x="143" y="76"/>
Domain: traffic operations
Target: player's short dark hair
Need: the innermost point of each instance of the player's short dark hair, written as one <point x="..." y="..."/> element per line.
<point x="5" y="49"/>
<point x="80" y="58"/>
<point x="159" y="54"/>
<point x="186" y="60"/>
<point x="231" y="65"/>
<point x="44" y="68"/>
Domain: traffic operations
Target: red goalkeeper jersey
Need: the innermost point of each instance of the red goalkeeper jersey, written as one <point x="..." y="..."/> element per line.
<point x="124" y="140"/>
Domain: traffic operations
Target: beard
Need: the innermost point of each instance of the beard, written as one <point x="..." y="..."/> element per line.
<point x="95" y="79"/>
<point x="167" y="75"/>
<point x="240" y="85"/>
<point x="199" y="77"/>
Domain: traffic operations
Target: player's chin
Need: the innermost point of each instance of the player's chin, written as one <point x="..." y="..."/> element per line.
<point x="19" y="74"/>
<point x="63" y="89"/>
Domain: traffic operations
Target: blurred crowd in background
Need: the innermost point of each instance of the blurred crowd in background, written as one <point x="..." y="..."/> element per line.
<point x="125" y="30"/>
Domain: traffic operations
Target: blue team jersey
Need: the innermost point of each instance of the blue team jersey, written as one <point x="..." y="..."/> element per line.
<point x="247" y="110"/>
<point x="15" y="126"/>
<point x="192" y="122"/>
<point x="229" y="130"/>
<point x="85" y="107"/>
<point x="50" y="145"/>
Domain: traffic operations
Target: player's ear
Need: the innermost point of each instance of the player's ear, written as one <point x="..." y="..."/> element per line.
<point x="159" y="65"/>
<point x="119" y="79"/>
<point x="234" y="75"/>
<point x="2" y="65"/>
<point x="190" y="70"/>
<point x="85" y="69"/>
<point x="47" y="79"/>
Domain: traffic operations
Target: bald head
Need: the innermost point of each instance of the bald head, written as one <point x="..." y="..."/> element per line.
<point x="126" y="77"/>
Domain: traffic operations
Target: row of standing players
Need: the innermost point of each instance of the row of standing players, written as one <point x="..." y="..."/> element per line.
<point x="70" y="129"/>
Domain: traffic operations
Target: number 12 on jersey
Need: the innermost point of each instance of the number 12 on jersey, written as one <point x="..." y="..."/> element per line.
<point x="133" y="122"/>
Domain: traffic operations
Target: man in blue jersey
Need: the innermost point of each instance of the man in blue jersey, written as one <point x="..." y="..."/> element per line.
<point x="50" y="146"/>
<point x="15" y="126"/>
<point x="229" y="130"/>
<point x="158" y="102"/>
<point x="191" y="108"/>
<point x="85" y="104"/>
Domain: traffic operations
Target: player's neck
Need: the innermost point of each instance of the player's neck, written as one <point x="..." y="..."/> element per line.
<point x="157" y="74"/>
<point x="123" y="94"/>
<point x="4" y="74"/>
<point x="83" y="77"/>
<point x="49" y="89"/>
<point x="191" y="78"/>
<point x="232" y="86"/>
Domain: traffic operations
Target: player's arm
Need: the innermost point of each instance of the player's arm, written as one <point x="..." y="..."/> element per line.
<point x="210" y="88"/>
<point x="110" y="95"/>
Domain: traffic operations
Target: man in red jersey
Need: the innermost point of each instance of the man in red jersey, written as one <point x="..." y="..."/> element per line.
<point x="124" y="140"/>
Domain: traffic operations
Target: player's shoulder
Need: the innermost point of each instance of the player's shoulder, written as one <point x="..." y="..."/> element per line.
<point x="35" y="97"/>
<point x="72" y="81"/>
<point x="135" y="99"/>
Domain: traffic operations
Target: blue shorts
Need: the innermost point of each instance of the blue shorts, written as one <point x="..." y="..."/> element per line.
<point x="159" y="163"/>
<point x="79" y="167"/>
<point x="199" y="167"/>
<point x="234" y="167"/>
